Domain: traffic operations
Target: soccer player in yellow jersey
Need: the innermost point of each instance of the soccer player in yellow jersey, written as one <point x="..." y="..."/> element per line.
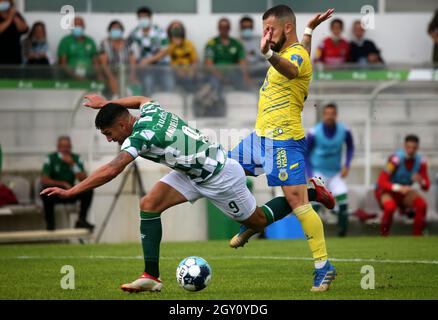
<point x="277" y="146"/>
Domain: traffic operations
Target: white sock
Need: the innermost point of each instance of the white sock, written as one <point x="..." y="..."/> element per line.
<point x="320" y="264"/>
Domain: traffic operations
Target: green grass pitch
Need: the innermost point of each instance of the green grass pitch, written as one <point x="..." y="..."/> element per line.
<point x="405" y="268"/>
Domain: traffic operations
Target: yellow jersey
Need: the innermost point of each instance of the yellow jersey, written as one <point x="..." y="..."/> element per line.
<point x="281" y="100"/>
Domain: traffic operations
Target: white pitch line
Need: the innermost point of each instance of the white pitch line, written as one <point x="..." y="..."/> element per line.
<point x="223" y="257"/>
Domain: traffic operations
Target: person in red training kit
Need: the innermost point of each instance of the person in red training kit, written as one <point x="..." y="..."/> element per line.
<point x="334" y="50"/>
<point x="394" y="186"/>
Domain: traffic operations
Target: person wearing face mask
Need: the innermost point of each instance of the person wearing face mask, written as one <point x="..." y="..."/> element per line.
<point x="150" y="43"/>
<point x="334" y="50"/>
<point x="251" y="43"/>
<point x="363" y="51"/>
<point x="395" y="186"/>
<point x="12" y="27"/>
<point x="183" y="56"/>
<point x="77" y="52"/>
<point x="35" y="46"/>
<point x="114" y="51"/>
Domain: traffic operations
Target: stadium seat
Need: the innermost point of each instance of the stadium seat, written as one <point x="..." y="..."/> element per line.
<point x="173" y="102"/>
<point x="20" y="186"/>
<point x="390" y="111"/>
<point x="242" y="107"/>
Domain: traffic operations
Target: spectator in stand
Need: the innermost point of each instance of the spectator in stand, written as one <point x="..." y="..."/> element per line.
<point x="395" y="186"/>
<point x="12" y="27"/>
<point x="183" y="56"/>
<point x="334" y="50"/>
<point x="114" y="52"/>
<point x="251" y="44"/>
<point x="150" y="44"/>
<point x="62" y="169"/>
<point x="35" y="46"/>
<point x="224" y="50"/>
<point x="363" y="51"/>
<point x="433" y="32"/>
<point x="77" y="52"/>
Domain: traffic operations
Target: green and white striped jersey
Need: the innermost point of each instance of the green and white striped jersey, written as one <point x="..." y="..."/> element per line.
<point x="165" y="138"/>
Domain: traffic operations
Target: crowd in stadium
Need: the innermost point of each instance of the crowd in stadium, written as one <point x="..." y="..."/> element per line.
<point x="150" y="44"/>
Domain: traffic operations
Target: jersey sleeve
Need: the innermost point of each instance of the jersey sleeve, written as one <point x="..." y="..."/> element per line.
<point x="138" y="142"/>
<point x="47" y="167"/>
<point x="392" y="164"/>
<point x="62" y="48"/>
<point x="297" y="57"/>
<point x="209" y="50"/>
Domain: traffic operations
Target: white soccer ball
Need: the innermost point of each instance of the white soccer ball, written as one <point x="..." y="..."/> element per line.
<point x="193" y="273"/>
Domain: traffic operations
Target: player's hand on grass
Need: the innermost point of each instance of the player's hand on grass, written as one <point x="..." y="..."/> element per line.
<point x="320" y="17"/>
<point x="95" y="101"/>
<point x="55" y="191"/>
<point x="265" y="43"/>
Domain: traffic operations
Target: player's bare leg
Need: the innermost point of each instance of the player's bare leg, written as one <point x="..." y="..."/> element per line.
<point x="254" y="224"/>
<point x="161" y="197"/>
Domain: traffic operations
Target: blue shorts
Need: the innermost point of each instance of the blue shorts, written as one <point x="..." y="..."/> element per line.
<point x="281" y="160"/>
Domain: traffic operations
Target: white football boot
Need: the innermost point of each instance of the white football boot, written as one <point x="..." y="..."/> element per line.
<point x="146" y="282"/>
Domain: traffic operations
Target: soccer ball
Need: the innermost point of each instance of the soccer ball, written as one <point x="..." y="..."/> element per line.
<point x="193" y="273"/>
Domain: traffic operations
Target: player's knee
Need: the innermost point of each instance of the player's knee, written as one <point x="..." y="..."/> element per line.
<point x="389" y="206"/>
<point x="420" y="204"/>
<point x="150" y="204"/>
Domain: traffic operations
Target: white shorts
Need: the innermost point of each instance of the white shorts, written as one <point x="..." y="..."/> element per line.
<point x="227" y="190"/>
<point x="336" y="184"/>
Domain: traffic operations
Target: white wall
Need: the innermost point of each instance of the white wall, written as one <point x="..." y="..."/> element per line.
<point x="402" y="36"/>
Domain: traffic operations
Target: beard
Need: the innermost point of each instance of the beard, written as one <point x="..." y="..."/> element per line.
<point x="277" y="46"/>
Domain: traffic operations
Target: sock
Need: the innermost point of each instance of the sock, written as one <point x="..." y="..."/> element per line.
<point x="276" y="209"/>
<point x="389" y="207"/>
<point x="420" y="207"/>
<point x="341" y="200"/>
<point x="151" y="231"/>
<point x="314" y="231"/>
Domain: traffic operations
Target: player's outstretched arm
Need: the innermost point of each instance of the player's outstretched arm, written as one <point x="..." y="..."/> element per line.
<point x="312" y="24"/>
<point x="96" y="101"/>
<point x="99" y="177"/>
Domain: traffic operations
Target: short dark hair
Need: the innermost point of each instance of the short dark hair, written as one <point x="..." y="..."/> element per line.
<point x="108" y="115"/>
<point x="144" y="10"/>
<point x="64" y="137"/>
<point x="331" y="105"/>
<point x="337" y="21"/>
<point x="281" y="11"/>
<point x="112" y="23"/>
<point x="246" y="18"/>
<point x="412" y="138"/>
<point x="224" y="20"/>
